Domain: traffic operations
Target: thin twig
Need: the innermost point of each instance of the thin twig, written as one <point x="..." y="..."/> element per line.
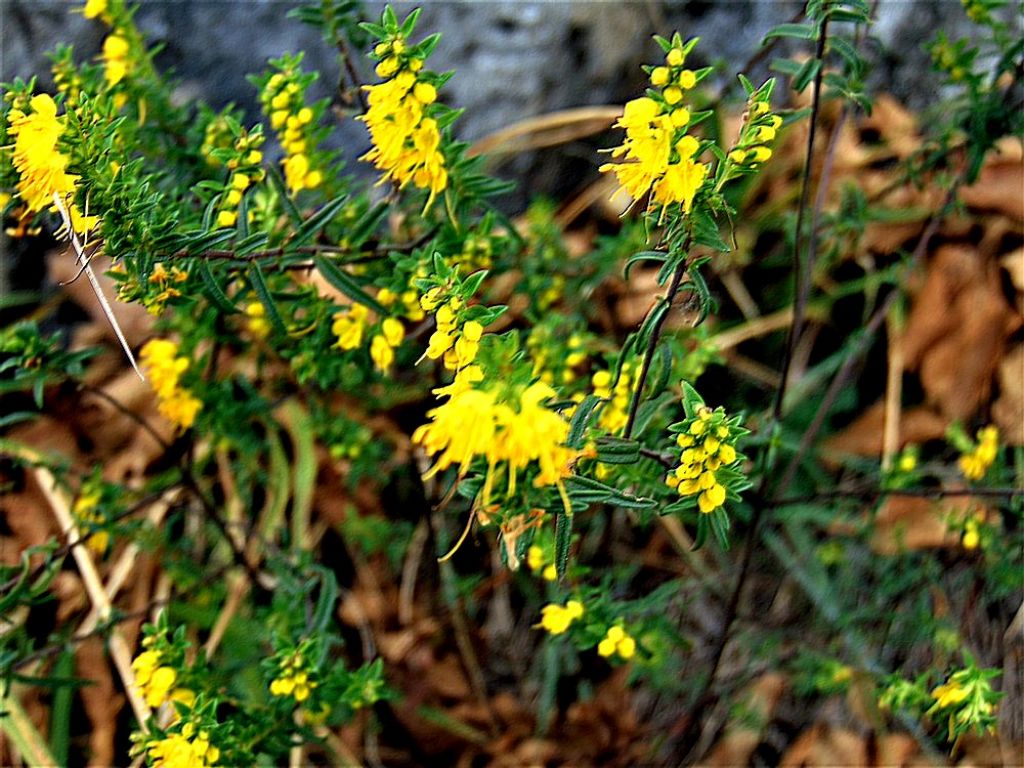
<point x="83" y="259"/>
<point x="652" y="345"/>
<point x="874" y="494"/>
<point x="119" y="651"/>
<point x="803" y="273"/>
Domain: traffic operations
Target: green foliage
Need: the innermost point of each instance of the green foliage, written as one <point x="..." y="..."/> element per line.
<point x="356" y="372"/>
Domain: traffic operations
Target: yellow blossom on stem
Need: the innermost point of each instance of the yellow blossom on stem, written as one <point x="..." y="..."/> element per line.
<point x="617" y="640"/>
<point x="657" y="156"/>
<point x="164" y="367"/>
<point x="975" y="463"/>
<point x="706" y="448"/>
<point x="116" y="60"/>
<point x="41" y="167"/>
<point x="153" y="681"/>
<point x="557" y="619"/>
<point x="406" y="140"/>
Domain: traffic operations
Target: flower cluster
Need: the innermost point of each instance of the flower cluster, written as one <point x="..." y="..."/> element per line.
<point x="350" y="326"/>
<point x="243" y="158"/>
<point x="617" y="640"/>
<point x="191" y="748"/>
<point x="284" y="101"/>
<point x="383" y="344"/>
<point x="154" y="680"/>
<point x="556" y="619"/>
<point x="406" y="303"/>
<point x="968" y="700"/>
<point x="707" y="440"/>
<point x="41" y="167"/>
<point x="502" y="424"/>
<point x="161" y="362"/>
<point x="976" y="462"/>
<point x="538" y="563"/>
<point x="116" y="58"/>
<point x="658" y="153"/>
<point x="256" y="319"/>
<point x="759" y="129"/>
<point x="456" y="341"/>
<point x="406" y="138"/>
<point x="164" y="281"/>
<point x="618" y="394"/>
<point x="293" y="679"/>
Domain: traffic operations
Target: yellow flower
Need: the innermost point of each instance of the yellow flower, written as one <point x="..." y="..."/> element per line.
<point x="381" y="352"/>
<point x="160" y="361"/>
<point x="406" y="142"/>
<point x="556" y="619"/>
<point x="949" y="694"/>
<point x="657" y="155"/>
<point x="40" y="165"/>
<point x="116" y="51"/>
<point x="153" y="681"/>
<point x="461" y="429"/>
<point x="975" y="464"/>
<point x="617" y="640"/>
<point x="95" y="9"/>
<point x="349" y="326"/>
<point x="183" y="750"/>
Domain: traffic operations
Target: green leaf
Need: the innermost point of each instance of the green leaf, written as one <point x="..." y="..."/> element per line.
<point x="324" y="611"/>
<point x="345" y="283"/>
<point x="806" y="74"/>
<point x="311" y="226"/>
<point x="719" y="521"/>
<point x="213" y="290"/>
<point x="563" y="538"/>
<point x="798" y="31"/>
<point x="658" y="256"/>
<point x="617" y="450"/>
<point x="367" y="224"/>
<point x="282" y="192"/>
<point x="581" y="419"/>
<point x="609" y="494"/>
<point x="692" y="401"/>
<point x="259" y="285"/>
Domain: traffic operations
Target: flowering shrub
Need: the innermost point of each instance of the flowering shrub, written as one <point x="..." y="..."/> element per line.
<point x="348" y="374"/>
